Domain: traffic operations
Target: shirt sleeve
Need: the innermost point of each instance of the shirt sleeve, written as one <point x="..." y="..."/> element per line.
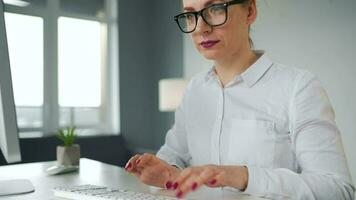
<point x="175" y="149"/>
<point x="323" y="173"/>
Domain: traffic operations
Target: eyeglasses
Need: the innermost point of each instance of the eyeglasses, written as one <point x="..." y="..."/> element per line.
<point x="213" y="15"/>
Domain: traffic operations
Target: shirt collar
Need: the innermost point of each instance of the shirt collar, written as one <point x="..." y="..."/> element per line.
<point x="253" y="73"/>
<point x="210" y="74"/>
<point x="257" y="69"/>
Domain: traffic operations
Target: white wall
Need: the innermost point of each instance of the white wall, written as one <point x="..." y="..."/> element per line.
<point x="318" y="35"/>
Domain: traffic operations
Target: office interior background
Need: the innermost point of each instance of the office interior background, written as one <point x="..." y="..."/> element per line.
<point x="96" y="64"/>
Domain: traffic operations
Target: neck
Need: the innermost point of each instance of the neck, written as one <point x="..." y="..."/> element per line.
<point x="233" y="65"/>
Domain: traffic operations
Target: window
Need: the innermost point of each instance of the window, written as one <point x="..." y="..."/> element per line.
<point x="79" y="52"/>
<point x="63" y="57"/>
<point x="25" y="51"/>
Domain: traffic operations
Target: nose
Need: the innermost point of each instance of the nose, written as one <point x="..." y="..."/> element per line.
<point x="202" y="26"/>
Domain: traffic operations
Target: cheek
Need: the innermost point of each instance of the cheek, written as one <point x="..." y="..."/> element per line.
<point x="195" y="40"/>
<point x="223" y="35"/>
<point x="231" y="39"/>
<point x="232" y="34"/>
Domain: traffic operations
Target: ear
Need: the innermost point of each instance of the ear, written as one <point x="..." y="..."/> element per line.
<point x="252" y="12"/>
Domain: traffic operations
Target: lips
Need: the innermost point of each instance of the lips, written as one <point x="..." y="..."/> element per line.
<point x="209" y="43"/>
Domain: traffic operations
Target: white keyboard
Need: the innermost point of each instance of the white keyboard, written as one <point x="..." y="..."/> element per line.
<point x="93" y="192"/>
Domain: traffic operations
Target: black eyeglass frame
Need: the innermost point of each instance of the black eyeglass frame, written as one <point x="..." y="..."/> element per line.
<point x="199" y="13"/>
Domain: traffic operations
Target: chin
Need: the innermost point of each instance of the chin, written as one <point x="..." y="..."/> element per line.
<point x="210" y="55"/>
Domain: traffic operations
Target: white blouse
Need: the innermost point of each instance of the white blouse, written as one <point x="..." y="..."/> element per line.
<point x="273" y="119"/>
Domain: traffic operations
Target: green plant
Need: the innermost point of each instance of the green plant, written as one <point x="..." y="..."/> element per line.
<point x="67" y="136"/>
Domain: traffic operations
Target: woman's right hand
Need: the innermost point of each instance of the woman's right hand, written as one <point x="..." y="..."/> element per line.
<point x="152" y="171"/>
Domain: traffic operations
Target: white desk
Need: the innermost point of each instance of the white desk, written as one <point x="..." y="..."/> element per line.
<point x="96" y="173"/>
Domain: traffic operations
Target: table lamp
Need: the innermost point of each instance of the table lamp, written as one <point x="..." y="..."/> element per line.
<point x="170" y="93"/>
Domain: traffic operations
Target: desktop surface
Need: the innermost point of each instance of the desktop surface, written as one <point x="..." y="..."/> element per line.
<point x="96" y="173"/>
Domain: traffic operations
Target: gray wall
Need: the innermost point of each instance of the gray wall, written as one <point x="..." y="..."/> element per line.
<point x="150" y="48"/>
<point x="315" y="35"/>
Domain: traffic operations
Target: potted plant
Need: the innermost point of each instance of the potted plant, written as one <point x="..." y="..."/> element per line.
<point x="68" y="154"/>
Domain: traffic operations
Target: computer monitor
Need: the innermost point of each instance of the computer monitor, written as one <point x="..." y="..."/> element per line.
<point x="9" y="142"/>
<point x="9" y="139"/>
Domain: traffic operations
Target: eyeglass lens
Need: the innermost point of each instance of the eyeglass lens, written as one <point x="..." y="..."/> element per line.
<point x="214" y="15"/>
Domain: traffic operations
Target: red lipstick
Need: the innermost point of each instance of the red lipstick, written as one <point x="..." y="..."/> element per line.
<point x="209" y="43"/>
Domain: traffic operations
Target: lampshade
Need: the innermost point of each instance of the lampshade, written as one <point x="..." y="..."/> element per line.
<point x="171" y="93"/>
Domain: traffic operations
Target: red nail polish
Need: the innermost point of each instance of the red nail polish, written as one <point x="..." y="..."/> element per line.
<point x="138" y="161"/>
<point x="212" y="182"/>
<point x="179" y="194"/>
<point x="175" y="185"/>
<point x="168" y="185"/>
<point x="194" y="186"/>
<point x="128" y="166"/>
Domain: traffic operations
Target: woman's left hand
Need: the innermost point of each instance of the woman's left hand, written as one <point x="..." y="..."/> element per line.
<point x="191" y="178"/>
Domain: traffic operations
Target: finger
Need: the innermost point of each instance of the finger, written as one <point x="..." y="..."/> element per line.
<point x="151" y="175"/>
<point x="130" y="165"/>
<point x="207" y="174"/>
<point x="157" y="171"/>
<point x="215" y="181"/>
<point x="141" y="169"/>
<point x="144" y="160"/>
<point x="170" y="173"/>
<point x="135" y="168"/>
<point x="186" y="173"/>
<point x="137" y="173"/>
<point x="189" y="184"/>
<point x="196" y="180"/>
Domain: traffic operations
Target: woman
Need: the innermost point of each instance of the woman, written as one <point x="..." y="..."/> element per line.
<point x="247" y="124"/>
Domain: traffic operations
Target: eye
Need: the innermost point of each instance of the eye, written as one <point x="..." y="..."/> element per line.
<point x="188" y="16"/>
<point x="216" y="9"/>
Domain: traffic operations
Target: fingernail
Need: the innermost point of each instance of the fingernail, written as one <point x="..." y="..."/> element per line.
<point x="169" y="185"/>
<point x="138" y="161"/>
<point x="212" y="182"/>
<point x="194" y="186"/>
<point x="175" y="185"/>
<point x="179" y="194"/>
<point x="128" y="165"/>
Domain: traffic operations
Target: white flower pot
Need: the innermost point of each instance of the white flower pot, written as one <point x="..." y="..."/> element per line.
<point x="68" y="155"/>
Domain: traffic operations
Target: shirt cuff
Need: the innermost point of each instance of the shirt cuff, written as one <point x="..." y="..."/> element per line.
<point x="257" y="183"/>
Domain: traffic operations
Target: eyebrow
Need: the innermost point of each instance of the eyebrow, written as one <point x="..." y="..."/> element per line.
<point x="206" y="4"/>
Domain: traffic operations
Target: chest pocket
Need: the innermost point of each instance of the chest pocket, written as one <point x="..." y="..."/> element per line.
<point x="251" y="142"/>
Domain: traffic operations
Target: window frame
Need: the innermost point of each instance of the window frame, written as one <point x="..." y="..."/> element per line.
<point x="109" y="109"/>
